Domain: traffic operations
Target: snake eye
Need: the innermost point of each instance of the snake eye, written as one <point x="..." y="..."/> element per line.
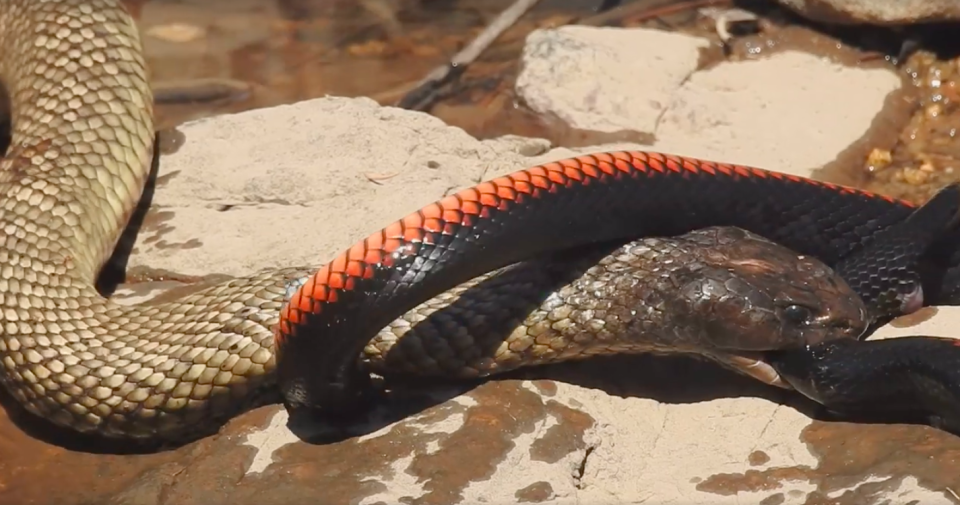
<point x="797" y="314"/>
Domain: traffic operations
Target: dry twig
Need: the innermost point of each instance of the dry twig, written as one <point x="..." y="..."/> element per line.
<point x="426" y="93"/>
<point x="643" y="11"/>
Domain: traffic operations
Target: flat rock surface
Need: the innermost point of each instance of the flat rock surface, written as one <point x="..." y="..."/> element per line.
<point x="294" y="185"/>
<point x="578" y="74"/>
<point x="765" y="112"/>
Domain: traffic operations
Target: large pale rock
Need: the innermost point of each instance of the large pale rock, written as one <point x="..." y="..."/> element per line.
<point x="581" y="75"/>
<point x="305" y="187"/>
<point x="799" y="111"/>
<point x="878" y="12"/>
<point x="792" y="112"/>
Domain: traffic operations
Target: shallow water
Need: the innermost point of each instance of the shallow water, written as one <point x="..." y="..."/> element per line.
<point x="210" y="57"/>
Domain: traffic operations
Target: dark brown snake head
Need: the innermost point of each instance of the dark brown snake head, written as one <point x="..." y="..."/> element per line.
<point x="746" y="295"/>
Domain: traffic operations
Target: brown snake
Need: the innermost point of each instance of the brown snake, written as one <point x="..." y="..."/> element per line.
<point x="82" y="140"/>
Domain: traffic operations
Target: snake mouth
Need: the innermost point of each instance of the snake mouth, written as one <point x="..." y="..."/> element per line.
<point x="755" y="365"/>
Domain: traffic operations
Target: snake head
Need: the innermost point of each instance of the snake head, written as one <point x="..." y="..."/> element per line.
<point x="747" y="295"/>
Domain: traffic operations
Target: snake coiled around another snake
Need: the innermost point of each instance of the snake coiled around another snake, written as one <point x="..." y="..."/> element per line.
<point x="82" y="140"/>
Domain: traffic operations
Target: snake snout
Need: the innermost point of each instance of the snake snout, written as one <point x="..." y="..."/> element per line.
<point x="835" y="315"/>
<point x="335" y="401"/>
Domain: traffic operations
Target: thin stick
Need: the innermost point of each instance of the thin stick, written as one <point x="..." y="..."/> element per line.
<point x="425" y="94"/>
<point x="641" y="11"/>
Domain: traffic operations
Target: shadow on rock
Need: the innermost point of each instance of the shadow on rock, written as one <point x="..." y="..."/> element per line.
<point x="670" y="379"/>
<point x="665" y="379"/>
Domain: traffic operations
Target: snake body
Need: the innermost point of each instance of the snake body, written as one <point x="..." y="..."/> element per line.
<point x="884" y="248"/>
<point x="82" y="139"/>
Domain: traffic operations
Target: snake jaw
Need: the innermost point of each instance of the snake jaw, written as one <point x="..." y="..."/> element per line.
<point x="753" y="364"/>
